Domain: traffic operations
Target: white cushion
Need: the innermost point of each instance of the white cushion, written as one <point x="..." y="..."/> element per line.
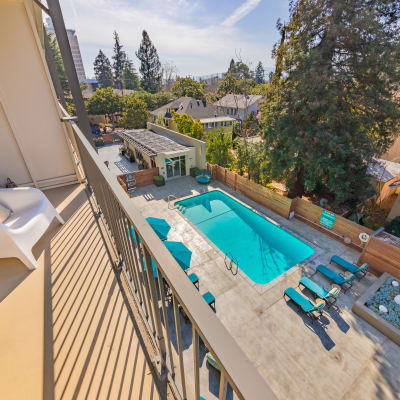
<point x="4" y="213"/>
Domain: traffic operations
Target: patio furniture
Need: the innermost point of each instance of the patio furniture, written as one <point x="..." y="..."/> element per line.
<point x="203" y="176"/>
<point x="304" y="304"/>
<point x="32" y="213"/>
<point x="195" y="280"/>
<point x="160" y="227"/>
<point x="329" y="296"/>
<point x="180" y="252"/>
<point x="210" y="299"/>
<point x="343" y="281"/>
<point x="354" y="269"/>
<point x="212" y="362"/>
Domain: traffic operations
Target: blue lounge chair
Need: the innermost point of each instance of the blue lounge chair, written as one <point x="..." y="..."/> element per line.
<point x="194" y="279"/>
<point x="329" y="296"/>
<point x="354" y="269"/>
<point x="304" y="304"/>
<point x="343" y="281"/>
<point x="210" y="299"/>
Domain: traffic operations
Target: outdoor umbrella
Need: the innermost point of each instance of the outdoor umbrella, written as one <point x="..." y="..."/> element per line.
<point x="180" y="252"/>
<point x="160" y="227"/>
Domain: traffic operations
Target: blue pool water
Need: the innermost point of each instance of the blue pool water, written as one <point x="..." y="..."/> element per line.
<point x="262" y="250"/>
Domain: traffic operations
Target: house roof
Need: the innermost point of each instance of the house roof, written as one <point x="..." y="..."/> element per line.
<point x="151" y="143"/>
<point x="238" y="101"/>
<point x="217" y="119"/>
<point x="188" y="105"/>
<point x="383" y="170"/>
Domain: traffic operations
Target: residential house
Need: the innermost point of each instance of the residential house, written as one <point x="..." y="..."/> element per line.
<point x="169" y="151"/>
<point x="238" y="106"/>
<point x="210" y="117"/>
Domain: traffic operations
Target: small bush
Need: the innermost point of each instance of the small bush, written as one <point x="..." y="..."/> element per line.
<point x="394" y="227"/>
<point x="98" y="141"/>
<point x="159" y="180"/>
<point x="193" y="171"/>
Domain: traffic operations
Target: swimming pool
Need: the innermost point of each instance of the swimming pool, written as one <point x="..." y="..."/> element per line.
<point x="262" y="250"/>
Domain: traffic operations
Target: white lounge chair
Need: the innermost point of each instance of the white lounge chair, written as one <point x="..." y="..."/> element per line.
<point x="32" y="213"/>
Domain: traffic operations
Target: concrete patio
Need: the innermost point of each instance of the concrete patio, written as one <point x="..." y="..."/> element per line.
<point x="118" y="164"/>
<point x="340" y="357"/>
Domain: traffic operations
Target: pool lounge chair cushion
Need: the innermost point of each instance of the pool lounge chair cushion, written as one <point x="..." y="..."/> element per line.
<point x="319" y="291"/>
<point x="300" y="300"/>
<point x="336" y="278"/>
<point x="354" y="269"/>
<point x="209" y="298"/>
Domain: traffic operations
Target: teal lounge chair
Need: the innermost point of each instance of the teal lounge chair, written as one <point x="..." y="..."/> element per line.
<point x="354" y="269"/>
<point x="330" y="297"/>
<point x="341" y="280"/>
<point x="304" y="304"/>
<point x="210" y="299"/>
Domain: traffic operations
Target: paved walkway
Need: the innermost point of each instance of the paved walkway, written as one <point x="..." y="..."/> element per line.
<point x="341" y="357"/>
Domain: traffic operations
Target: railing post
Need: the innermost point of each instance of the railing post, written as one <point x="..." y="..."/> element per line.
<point x="156" y="310"/>
<point x="222" y="386"/>
<point x="179" y="341"/>
<point x="196" y="362"/>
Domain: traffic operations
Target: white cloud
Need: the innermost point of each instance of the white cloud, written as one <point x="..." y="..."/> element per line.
<point x="241" y="12"/>
<point x="177" y="34"/>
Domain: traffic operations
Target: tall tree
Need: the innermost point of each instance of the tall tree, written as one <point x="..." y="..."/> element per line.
<point x="129" y="76"/>
<point x="259" y="75"/>
<point x="119" y="58"/>
<point x="150" y="66"/>
<point x="188" y="87"/>
<point x="232" y="67"/>
<point x="135" y="114"/>
<point x="102" y="70"/>
<point x="219" y="146"/>
<point x="55" y="50"/>
<point x="104" y="102"/>
<point x="333" y="108"/>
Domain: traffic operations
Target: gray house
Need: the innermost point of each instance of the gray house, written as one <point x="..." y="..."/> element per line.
<point x="238" y="106"/>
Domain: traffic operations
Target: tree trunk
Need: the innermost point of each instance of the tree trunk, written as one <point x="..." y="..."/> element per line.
<point x="297" y="189"/>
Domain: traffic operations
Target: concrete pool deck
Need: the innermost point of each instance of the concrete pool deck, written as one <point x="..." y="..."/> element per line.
<point x="340" y="357"/>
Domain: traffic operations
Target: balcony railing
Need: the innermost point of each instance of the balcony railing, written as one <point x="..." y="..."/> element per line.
<point x="134" y="253"/>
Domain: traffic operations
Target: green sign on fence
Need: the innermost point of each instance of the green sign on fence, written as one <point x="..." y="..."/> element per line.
<point x="327" y="219"/>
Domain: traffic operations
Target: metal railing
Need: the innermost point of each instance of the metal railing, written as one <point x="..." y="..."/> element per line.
<point x="136" y="245"/>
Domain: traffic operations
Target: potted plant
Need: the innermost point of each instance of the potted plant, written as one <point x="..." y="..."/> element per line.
<point x="159" y="180"/>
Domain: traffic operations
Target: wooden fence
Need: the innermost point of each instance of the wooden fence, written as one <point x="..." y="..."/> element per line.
<point x="382" y="256"/>
<point x="341" y="229"/>
<point x="260" y="194"/>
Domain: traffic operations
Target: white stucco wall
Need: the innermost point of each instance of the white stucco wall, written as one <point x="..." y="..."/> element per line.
<point x="33" y="146"/>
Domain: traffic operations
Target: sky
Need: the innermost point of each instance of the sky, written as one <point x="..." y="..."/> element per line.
<point x="199" y="36"/>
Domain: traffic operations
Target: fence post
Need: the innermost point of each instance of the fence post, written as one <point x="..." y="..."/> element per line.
<point x="236" y="175"/>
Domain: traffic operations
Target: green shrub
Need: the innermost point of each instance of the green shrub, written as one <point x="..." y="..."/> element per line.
<point x="393" y="227"/>
<point x="193" y="171"/>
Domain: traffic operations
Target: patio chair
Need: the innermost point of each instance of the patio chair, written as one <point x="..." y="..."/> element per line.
<point x="194" y="279"/>
<point x="354" y="269"/>
<point x="210" y="300"/>
<point x="304" y="305"/>
<point x="203" y="176"/>
<point x="32" y="213"/>
<point x="329" y="296"/>
<point x="212" y="362"/>
<point x="345" y="282"/>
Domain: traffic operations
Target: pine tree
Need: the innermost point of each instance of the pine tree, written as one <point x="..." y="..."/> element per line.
<point x="150" y="66"/>
<point x="119" y="58"/>
<point x="259" y="74"/>
<point x="102" y="70"/>
<point x="62" y="76"/>
<point x="232" y="67"/>
<point x="130" y="78"/>
<point x="333" y="107"/>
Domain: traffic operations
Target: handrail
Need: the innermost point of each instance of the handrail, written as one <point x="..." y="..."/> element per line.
<point x="171" y="196"/>
<point x="232" y="261"/>
<point x="120" y="213"/>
